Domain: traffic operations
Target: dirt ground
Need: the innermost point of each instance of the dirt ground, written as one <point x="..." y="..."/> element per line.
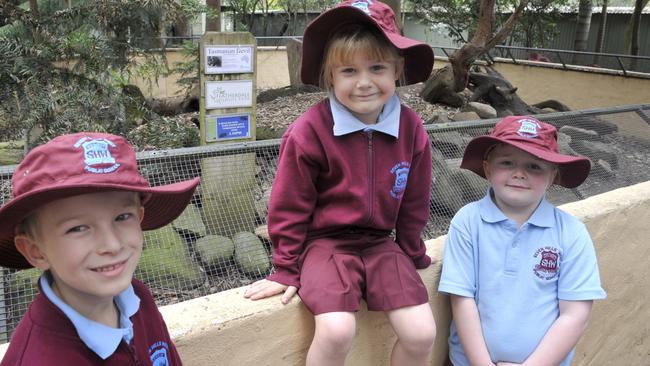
<point x="277" y="108"/>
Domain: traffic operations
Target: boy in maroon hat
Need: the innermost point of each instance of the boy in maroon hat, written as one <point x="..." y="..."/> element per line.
<point x="78" y="210"/>
<point x="521" y="274"/>
<point x="352" y="169"/>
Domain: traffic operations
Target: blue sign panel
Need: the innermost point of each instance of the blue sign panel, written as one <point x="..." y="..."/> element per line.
<point x="229" y="127"/>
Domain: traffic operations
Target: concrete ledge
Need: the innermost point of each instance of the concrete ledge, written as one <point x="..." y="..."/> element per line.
<point x="226" y="329"/>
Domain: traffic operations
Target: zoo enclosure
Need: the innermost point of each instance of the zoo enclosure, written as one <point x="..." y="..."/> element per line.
<point x="219" y="241"/>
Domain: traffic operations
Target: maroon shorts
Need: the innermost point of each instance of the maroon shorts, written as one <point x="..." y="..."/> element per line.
<point x="337" y="272"/>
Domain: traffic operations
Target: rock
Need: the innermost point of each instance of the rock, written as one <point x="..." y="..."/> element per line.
<point x="451" y="143"/>
<point x="484" y="111"/>
<point x="466" y="116"/>
<point x="596" y="150"/>
<point x="250" y="254"/>
<point x="227" y="184"/>
<point x="564" y="144"/>
<point x="580" y="133"/>
<point x="166" y="262"/>
<point x="190" y="221"/>
<point x="214" y="250"/>
<point x="263" y="232"/>
<point x="602" y="168"/>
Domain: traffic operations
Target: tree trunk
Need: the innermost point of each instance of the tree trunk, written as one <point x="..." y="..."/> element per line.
<point x="461" y="60"/>
<point x="213" y="24"/>
<point x="602" y="26"/>
<point x="582" y="28"/>
<point x="627" y="38"/>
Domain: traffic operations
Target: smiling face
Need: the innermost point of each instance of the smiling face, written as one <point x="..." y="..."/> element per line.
<point x="361" y="68"/>
<point x="519" y="180"/>
<point x="90" y="243"/>
<point x="364" y="86"/>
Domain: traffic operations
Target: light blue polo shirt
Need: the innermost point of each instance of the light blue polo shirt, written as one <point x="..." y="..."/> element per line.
<point x="517" y="276"/>
<point x="345" y="122"/>
<point x="100" y="338"/>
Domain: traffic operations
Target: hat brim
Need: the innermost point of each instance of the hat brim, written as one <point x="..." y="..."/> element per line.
<point x="418" y="56"/>
<point x="162" y="205"/>
<point x="573" y="170"/>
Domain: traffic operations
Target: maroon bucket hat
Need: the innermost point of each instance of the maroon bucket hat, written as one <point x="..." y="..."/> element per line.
<point x="418" y="56"/>
<point x="534" y="137"/>
<point x="82" y="163"/>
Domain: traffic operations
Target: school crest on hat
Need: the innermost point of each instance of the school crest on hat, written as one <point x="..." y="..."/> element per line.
<point x="528" y="128"/>
<point x="97" y="156"/>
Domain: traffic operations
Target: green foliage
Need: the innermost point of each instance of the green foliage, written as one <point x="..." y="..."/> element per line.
<point x="65" y="69"/>
<point x="534" y="27"/>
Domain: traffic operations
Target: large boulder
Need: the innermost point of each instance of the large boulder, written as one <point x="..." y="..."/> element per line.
<point x="166" y="261"/>
<point x="250" y="254"/>
<point x="215" y="251"/>
<point x="227" y="194"/>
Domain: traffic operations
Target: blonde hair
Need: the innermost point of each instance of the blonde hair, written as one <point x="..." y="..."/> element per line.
<point x="350" y="40"/>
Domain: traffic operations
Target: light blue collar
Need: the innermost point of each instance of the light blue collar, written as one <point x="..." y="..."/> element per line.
<point x="542" y="216"/>
<point x="101" y="339"/>
<point x="345" y="122"/>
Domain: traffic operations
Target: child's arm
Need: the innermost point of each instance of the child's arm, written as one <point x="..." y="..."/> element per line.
<point x="414" y="210"/>
<point x="468" y="325"/>
<point x="563" y="335"/>
<point x="265" y="288"/>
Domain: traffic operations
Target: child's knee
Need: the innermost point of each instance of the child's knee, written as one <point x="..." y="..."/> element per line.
<point x="419" y="339"/>
<point x="336" y="332"/>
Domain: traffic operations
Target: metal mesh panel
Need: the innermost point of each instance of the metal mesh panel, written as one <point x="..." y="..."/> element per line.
<point x="219" y="242"/>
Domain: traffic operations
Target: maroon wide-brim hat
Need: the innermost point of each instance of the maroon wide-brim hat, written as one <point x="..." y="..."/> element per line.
<point x="534" y="137"/>
<point x="418" y="56"/>
<point x="77" y="164"/>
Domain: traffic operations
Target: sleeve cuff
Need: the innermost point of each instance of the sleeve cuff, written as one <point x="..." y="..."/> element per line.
<point x="422" y="262"/>
<point x="285" y="278"/>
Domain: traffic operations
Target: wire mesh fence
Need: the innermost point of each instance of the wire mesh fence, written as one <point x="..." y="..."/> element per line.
<point x="220" y="241"/>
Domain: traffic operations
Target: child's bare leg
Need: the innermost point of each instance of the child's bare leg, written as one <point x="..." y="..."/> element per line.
<point x="416" y="331"/>
<point x="332" y="339"/>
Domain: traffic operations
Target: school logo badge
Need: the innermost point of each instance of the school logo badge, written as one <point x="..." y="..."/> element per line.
<point x="97" y="156"/>
<point x="549" y="263"/>
<point x="362" y="5"/>
<point x="527" y="128"/>
<point x="401" y="172"/>
<point x="158" y="354"/>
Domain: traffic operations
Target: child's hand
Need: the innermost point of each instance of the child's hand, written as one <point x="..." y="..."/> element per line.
<point x="265" y="288"/>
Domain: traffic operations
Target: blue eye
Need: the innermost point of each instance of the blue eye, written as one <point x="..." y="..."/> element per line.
<point x="77" y="229"/>
<point x="124" y="217"/>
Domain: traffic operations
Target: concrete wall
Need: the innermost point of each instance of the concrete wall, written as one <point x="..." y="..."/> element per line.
<point x="578" y="89"/>
<point x="226" y="329"/>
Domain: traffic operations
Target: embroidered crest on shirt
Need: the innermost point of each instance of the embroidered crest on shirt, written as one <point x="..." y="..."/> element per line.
<point x="549" y="263"/>
<point x="97" y="156"/>
<point x="158" y="354"/>
<point x="401" y="172"/>
<point x="527" y="128"/>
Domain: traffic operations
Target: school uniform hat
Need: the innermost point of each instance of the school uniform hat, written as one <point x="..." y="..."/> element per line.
<point x="534" y="137"/>
<point x="77" y="164"/>
<point x="418" y="56"/>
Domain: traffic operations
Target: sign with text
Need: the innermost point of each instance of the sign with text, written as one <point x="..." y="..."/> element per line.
<point x="228" y="94"/>
<point x="228" y="127"/>
<point x="233" y="59"/>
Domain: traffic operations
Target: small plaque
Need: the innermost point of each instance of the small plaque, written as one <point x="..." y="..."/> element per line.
<point x="234" y="59"/>
<point x="227" y="127"/>
<point x="228" y="94"/>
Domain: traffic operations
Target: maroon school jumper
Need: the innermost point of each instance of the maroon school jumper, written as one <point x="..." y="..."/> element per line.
<point x="45" y="336"/>
<point x="328" y="184"/>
